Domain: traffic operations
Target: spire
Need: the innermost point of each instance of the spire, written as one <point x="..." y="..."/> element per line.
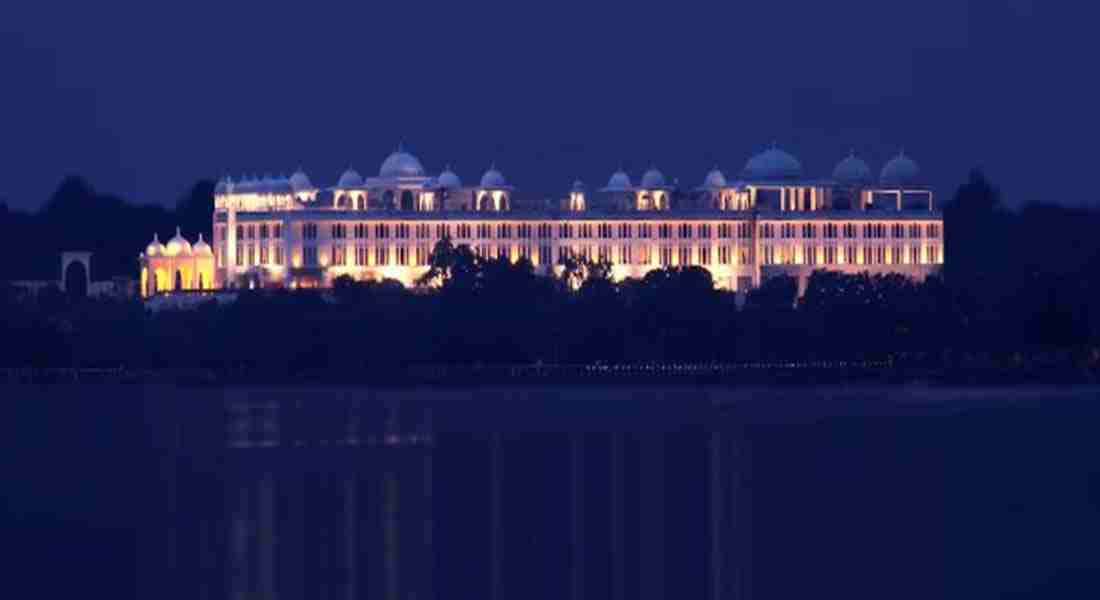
<point x="155" y="238"/>
<point x="178" y="231"/>
<point x="200" y="237"/>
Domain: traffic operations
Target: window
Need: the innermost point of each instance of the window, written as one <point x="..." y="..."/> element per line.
<point x="240" y="232"/>
<point x="251" y="232"/>
<point x="381" y="231"/>
<point x="263" y="254"/>
<point x="339" y="255"/>
<point x="769" y="255"/>
<point x="724" y="231"/>
<point x="504" y="251"/>
<point x="544" y="256"/>
<point x="565" y="231"/>
<point x="402" y="231"/>
<point x="464" y="231"/>
<point x="849" y="230"/>
<point x="381" y="256"/>
<point x="563" y="254"/>
<point x="360" y="256"/>
<point x="809" y="255"/>
<point x="442" y="230"/>
<point x="545" y="231"/>
<point x="809" y="231"/>
<point x="744" y="230"/>
<point x="704" y="231"/>
<point x="585" y="231"/>
<point x="309" y="256"/>
<point x="666" y="256"/>
<point x="240" y="255"/>
<point x="604" y="254"/>
<point x="897" y="230"/>
<point x="423" y="231"/>
<point x="525" y="251"/>
<point x="645" y="255"/>
<point x="664" y="231"/>
<point x="309" y="231"/>
<point x="504" y="231"/>
<point x="251" y="250"/>
<point x="934" y="231"/>
<point x="645" y="231"/>
<point x="624" y="255"/>
<point x="685" y="255"/>
<point x="339" y="231"/>
<point x="625" y="231"/>
<point x="934" y="255"/>
<point x="279" y="260"/>
<point x="914" y="255"/>
<point x="767" y="231"/>
<point x="723" y="255"/>
<point x="850" y="255"/>
<point x="402" y="255"/>
<point x="524" y="231"/>
<point x="263" y="231"/>
<point x="704" y="255"/>
<point x="830" y="255"/>
<point x="685" y="231"/>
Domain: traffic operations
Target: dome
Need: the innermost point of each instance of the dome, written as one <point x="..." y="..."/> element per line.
<point x="900" y="171"/>
<point x="715" y="179"/>
<point x="201" y="248"/>
<point x="653" y="179"/>
<point x="155" y="248"/>
<point x="852" y="170"/>
<point x="300" y="182"/>
<point x="178" y="245"/>
<point x="222" y="186"/>
<point x="493" y="178"/>
<point x="449" y="180"/>
<point x="619" y="182"/>
<point x="773" y="163"/>
<point x="350" y="179"/>
<point x="401" y="164"/>
<point x="578" y="186"/>
<point x="267" y="184"/>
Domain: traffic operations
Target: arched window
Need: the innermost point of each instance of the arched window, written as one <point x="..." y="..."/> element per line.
<point x="407" y="201"/>
<point x="387" y="199"/>
<point x="179" y="280"/>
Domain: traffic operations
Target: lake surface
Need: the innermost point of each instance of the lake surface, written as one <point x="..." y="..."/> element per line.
<point x="553" y="492"/>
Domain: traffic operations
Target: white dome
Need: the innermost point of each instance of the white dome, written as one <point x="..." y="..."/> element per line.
<point x="619" y="182"/>
<point x="773" y="163"/>
<point x="715" y="179"/>
<point x="900" y="171"/>
<point x="201" y="248"/>
<point x="578" y="186"/>
<point x="653" y="179"/>
<point x="177" y="246"/>
<point x="493" y="178"/>
<point x="300" y="182"/>
<point x="155" y="248"/>
<point x="852" y="170"/>
<point x="350" y="179"/>
<point x="449" y="180"/>
<point x="401" y="164"/>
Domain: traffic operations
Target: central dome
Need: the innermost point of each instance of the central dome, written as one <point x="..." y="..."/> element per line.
<point x="350" y="179"/>
<point x="773" y="163"/>
<point x="201" y="248"/>
<point x="178" y="246"/>
<point x="401" y="164"/>
<point x="300" y="182"/>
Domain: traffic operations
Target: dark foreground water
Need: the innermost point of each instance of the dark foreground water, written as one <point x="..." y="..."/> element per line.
<point x="578" y="492"/>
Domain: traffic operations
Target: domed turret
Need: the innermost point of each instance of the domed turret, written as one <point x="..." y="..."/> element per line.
<point x="155" y="248"/>
<point x="400" y="164"/>
<point x="852" y="170"/>
<point x="350" y="179"/>
<point x="578" y="186"/>
<point x="178" y="246"/>
<point x="900" y="171"/>
<point x="714" y="180"/>
<point x="619" y="182"/>
<point x="493" y="178"/>
<point x="299" y="181"/>
<point x="773" y="163"/>
<point x="653" y="179"/>
<point x="222" y="187"/>
<point x="201" y="248"/>
<point x="449" y="180"/>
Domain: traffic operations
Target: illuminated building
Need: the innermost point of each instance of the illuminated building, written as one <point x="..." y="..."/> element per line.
<point x="770" y="219"/>
<point x="176" y="266"/>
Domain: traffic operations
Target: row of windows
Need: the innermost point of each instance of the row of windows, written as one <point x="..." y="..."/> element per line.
<point x="250" y="255"/>
<point x="262" y="231"/>
<point x="852" y="255"/>
<point x="464" y="231"/>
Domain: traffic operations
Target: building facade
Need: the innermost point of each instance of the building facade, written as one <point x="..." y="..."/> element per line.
<point x="771" y="219"/>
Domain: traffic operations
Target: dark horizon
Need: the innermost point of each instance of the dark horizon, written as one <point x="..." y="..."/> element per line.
<point x="143" y="102"/>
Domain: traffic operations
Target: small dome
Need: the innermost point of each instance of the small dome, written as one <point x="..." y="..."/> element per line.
<point x="900" y="171"/>
<point x="268" y="184"/>
<point x="578" y="186"/>
<point x="178" y="246"/>
<point x="619" y="182"/>
<point x="715" y="179"/>
<point x="222" y="187"/>
<point x="350" y="179"/>
<point x="201" y="248"/>
<point x="401" y="164"/>
<point x="852" y="170"/>
<point x="773" y="163"/>
<point x="299" y="181"/>
<point x="493" y="178"/>
<point x="155" y="248"/>
<point x="653" y="179"/>
<point x="449" y="180"/>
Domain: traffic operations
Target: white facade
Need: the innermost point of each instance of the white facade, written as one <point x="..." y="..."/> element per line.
<point x="771" y="219"/>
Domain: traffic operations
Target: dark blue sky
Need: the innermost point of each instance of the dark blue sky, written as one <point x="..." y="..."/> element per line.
<point x="145" y="98"/>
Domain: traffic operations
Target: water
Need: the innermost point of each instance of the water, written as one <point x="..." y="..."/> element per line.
<point x="554" y="492"/>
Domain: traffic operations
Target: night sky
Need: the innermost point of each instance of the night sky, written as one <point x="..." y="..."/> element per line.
<point x="145" y="98"/>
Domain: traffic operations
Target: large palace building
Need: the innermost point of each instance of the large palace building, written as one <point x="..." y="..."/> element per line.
<point x="771" y="219"/>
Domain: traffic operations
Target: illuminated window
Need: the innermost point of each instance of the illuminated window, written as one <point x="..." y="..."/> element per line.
<point x="604" y="254"/>
<point x="263" y="232"/>
<point x="279" y="259"/>
<point x="704" y="255"/>
<point x="685" y="255"/>
<point x="240" y="255"/>
<point x="360" y="256"/>
<point x="666" y="256"/>
<point x="263" y="254"/>
<point x="565" y="231"/>
<point x="645" y="231"/>
<point x="402" y="255"/>
<point x="664" y="231"/>
<point x="544" y="256"/>
<point x="625" y="230"/>
<point x="309" y="256"/>
<point x="624" y="255"/>
<point x="381" y="256"/>
<point x="723" y="255"/>
<point x="603" y="230"/>
<point x="704" y="231"/>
